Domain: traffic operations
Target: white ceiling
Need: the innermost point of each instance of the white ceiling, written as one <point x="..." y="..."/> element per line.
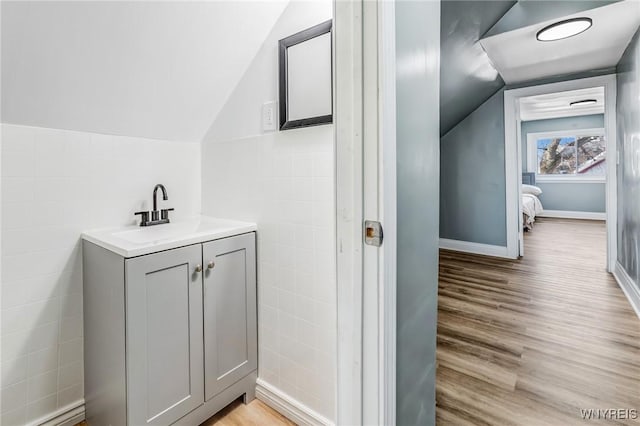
<point x="150" y="69"/>
<point x="557" y="105"/>
<point x="519" y="57"/>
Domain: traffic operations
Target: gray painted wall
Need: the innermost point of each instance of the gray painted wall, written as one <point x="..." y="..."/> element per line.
<point x="580" y="197"/>
<point x="574" y="197"/>
<point x="628" y="115"/>
<point x="472" y="185"/>
<point x="418" y="151"/>
<point x="472" y="190"/>
<point x="468" y="78"/>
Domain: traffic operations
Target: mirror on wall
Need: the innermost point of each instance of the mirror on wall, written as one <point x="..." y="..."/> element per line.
<point x="305" y="81"/>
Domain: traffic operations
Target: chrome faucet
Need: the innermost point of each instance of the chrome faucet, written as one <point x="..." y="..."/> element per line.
<point x="157" y="217"/>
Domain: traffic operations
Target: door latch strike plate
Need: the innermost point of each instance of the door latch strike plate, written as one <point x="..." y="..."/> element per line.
<point x="373" y="234"/>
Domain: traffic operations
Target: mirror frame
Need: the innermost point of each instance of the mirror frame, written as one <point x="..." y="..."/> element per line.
<point x="283" y="45"/>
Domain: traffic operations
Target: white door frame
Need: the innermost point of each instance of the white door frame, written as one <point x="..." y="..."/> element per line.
<point x="387" y="198"/>
<point x="347" y="91"/>
<point x="513" y="156"/>
<point x="364" y="94"/>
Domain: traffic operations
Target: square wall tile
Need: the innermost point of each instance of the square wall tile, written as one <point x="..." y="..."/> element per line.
<point x="296" y="250"/>
<point x="69" y="181"/>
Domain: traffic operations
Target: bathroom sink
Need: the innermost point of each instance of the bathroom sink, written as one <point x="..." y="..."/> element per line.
<point x="132" y="241"/>
<point x="148" y="235"/>
<point x="151" y="234"/>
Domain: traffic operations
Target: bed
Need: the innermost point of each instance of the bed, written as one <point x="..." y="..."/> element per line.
<point x="531" y="205"/>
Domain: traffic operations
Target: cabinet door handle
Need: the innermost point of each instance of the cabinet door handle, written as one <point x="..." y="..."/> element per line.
<point x="211" y="265"/>
<point x="198" y="268"/>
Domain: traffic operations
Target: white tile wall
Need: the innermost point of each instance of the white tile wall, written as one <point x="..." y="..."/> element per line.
<point x="55" y="184"/>
<point x="284" y="182"/>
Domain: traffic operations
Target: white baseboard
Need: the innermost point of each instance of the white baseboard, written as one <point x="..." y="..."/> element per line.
<point x="573" y="215"/>
<point x="475" y="248"/>
<point x="289" y="407"/>
<point x="292" y="409"/>
<point x="70" y="415"/>
<point x="628" y="287"/>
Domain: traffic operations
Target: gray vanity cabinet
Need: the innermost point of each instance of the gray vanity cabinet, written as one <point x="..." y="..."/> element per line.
<point x="164" y="335"/>
<point x="171" y="336"/>
<point x="229" y="312"/>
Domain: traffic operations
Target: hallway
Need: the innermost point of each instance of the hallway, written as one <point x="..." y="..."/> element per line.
<point x="534" y="341"/>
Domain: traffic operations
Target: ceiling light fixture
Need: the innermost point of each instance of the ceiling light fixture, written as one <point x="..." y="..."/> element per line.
<point x="564" y="29"/>
<point x="584" y="102"/>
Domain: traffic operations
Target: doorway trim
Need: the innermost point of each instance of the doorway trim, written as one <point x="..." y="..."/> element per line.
<point x="348" y="103"/>
<point x="513" y="157"/>
<point x="388" y="199"/>
<point x="365" y="137"/>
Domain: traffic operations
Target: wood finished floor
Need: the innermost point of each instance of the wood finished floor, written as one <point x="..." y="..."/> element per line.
<point x="532" y="341"/>
<point x="256" y="413"/>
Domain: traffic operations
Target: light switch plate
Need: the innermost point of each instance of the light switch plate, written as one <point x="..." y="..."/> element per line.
<point x="269" y="117"/>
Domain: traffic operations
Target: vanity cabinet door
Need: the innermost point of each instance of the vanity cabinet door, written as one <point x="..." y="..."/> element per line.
<point x="230" y="335"/>
<point x="164" y="336"/>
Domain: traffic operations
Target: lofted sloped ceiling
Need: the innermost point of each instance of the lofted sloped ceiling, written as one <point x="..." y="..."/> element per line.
<point x="530" y="12"/>
<point x="519" y="56"/>
<point x="150" y="69"/>
<point x="467" y="77"/>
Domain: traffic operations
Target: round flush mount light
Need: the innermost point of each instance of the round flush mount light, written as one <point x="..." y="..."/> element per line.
<point x="564" y="29"/>
<point x="584" y="102"/>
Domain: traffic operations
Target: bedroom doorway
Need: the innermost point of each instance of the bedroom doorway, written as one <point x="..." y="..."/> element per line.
<point x="558" y="139"/>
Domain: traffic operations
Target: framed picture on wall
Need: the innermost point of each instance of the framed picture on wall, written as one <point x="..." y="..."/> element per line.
<point x="305" y="78"/>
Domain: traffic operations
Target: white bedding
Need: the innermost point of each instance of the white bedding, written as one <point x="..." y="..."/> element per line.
<point x="531" y="206"/>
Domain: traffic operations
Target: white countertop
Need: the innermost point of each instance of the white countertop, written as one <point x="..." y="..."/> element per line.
<point x="132" y="241"/>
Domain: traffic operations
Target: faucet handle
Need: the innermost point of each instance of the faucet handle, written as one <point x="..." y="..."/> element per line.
<point x="164" y="213"/>
<point x="144" y="217"/>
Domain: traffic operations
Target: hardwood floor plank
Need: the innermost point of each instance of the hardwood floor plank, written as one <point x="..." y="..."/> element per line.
<point x="256" y="413"/>
<point x="535" y="340"/>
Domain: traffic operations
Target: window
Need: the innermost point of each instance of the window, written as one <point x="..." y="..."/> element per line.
<point x="578" y="155"/>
